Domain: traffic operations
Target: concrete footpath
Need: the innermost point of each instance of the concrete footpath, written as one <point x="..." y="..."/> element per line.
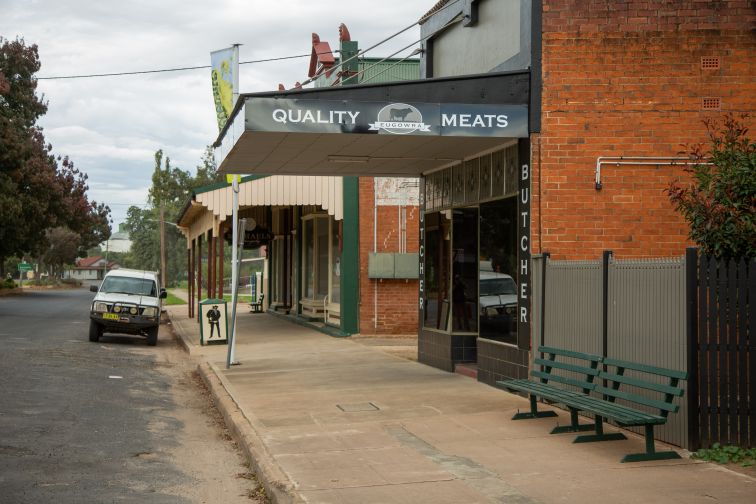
<point x="331" y="420"/>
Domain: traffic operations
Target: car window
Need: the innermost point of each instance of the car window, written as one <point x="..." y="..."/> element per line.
<point x="497" y="286"/>
<point x="128" y="285"/>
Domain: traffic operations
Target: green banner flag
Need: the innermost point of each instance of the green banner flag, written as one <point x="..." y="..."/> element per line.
<point x="224" y="69"/>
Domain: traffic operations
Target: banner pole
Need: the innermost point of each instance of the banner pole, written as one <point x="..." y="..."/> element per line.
<point x="234" y="270"/>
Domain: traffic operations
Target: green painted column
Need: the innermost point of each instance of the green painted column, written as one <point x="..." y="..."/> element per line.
<point x="350" y="258"/>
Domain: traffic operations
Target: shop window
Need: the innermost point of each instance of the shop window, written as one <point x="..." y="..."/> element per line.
<point x="437" y="285"/>
<point x="498" y="270"/>
<point x="321" y="267"/>
<point x="465" y="270"/>
<point x="321" y="274"/>
<point x="308" y="245"/>
<point x="336" y="262"/>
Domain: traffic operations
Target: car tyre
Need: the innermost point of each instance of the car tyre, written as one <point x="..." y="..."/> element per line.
<point x="152" y="334"/>
<point x="95" y="331"/>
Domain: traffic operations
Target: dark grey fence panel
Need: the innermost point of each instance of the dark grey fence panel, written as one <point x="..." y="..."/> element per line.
<point x="725" y="353"/>
<point x="573" y="305"/>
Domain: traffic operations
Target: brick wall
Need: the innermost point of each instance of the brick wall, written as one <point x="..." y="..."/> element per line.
<point x="396" y="299"/>
<point x="624" y="78"/>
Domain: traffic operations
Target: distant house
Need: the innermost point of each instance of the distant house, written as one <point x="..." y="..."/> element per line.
<point x="120" y="241"/>
<point x="90" y="268"/>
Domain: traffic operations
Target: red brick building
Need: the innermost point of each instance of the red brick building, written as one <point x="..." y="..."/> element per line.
<point x="388" y="306"/>
<point x="630" y="79"/>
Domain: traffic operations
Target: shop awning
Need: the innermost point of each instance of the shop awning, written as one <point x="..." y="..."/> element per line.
<point x="390" y="129"/>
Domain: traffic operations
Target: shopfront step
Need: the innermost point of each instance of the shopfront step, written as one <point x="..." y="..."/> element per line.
<point x="469" y="369"/>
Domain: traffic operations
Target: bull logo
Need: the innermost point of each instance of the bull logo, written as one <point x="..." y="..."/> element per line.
<point x="400" y="119"/>
<point x="399" y="114"/>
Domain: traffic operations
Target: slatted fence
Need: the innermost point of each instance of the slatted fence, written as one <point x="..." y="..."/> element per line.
<point x="723" y="305"/>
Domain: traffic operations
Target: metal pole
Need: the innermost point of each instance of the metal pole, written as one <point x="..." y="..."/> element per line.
<point x="234" y="242"/>
<point x="235" y="289"/>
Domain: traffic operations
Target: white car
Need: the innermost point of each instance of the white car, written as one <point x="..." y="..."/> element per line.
<point x="127" y="301"/>
<point x="498" y="303"/>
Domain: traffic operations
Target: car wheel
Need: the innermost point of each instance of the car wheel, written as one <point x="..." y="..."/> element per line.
<point x="152" y="334"/>
<point x="95" y="331"/>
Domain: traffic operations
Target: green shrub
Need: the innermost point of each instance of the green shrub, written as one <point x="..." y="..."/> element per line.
<point x="728" y="454"/>
<point x="8" y="284"/>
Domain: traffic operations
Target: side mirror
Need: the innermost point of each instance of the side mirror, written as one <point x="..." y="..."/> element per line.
<point x="163" y="294"/>
<point x="94" y="288"/>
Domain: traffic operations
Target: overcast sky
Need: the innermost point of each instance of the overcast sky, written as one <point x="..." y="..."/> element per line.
<point x="112" y="126"/>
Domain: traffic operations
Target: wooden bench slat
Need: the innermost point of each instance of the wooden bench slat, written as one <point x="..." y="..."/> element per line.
<point x="564" y="380"/>
<point x="638" y="399"/>
<point x="531" y="386"/>
<point x="670" y="373"/>
<point x="658" y="387"/>
<point x="569" y="353"/>
<point x="622" y="414"/>
<point x="567" y="367"/>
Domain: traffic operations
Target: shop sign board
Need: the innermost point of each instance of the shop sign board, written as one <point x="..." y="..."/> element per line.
<point x="253" y="238"/>
<point x="24" y="266"/>
<point x="213" y="321"/>
<point x="386" y="118"/>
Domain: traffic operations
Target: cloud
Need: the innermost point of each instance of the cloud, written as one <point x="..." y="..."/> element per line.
<point x="112" y="126"/>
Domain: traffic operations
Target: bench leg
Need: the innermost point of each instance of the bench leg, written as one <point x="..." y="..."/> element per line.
<point x="534" y="413"/>
<point x="651" y="453"/>
<point x="599" y="435"/>
<point x="574" y="426"/>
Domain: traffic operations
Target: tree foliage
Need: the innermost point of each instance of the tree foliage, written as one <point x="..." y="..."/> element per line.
<point x="171" y="187"/>
<point x="720" y="204"/>
<point x="36" y="192"/>
<point x="62" y="249"/>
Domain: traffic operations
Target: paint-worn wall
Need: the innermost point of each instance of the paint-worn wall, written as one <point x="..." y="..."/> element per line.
<point x="387" y="306"/>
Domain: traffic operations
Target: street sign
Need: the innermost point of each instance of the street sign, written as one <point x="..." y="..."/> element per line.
<point x="24" y="266"/>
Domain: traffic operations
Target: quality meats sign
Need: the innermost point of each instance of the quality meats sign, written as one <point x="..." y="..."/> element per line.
<point x="395" y="118"/>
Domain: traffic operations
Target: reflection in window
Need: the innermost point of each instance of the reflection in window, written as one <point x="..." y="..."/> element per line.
<point x="335" y="263"/>
<point x="465" y="270"/>
<point x="322" y="248"/>
<point x="308" y="241"/>
<point x="498" y="270"/>
<point x="437" y="247"/>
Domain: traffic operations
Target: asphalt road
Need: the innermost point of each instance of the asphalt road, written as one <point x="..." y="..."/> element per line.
<point x="114" y="421"/>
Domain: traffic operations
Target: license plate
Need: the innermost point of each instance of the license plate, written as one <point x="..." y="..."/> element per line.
<point x="110" y="316"/>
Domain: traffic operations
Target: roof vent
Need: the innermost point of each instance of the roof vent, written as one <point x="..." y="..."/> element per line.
<point x="711" y="103"/>
<point x="710" y="63"/>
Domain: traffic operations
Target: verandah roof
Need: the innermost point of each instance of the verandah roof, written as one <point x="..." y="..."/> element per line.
<point x="252" y="142"/>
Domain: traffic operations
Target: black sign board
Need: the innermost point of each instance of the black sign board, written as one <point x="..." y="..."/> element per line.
<point x="384" y="118"/>
<point x="252" y="238"/>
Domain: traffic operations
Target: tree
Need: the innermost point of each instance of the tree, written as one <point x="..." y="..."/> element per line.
<point x="63" y="247"/>
<point x="720" y="204"/>
<point x="36" y="194"/>
<point x="171" y="189"/>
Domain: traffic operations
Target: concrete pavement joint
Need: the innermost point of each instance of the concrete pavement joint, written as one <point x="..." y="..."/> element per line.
<point x="473" y="474"/>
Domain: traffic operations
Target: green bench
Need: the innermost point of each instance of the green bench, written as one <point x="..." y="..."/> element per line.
<point x="566" y="367"/>
<point x="257" y="305"/>
<point x="610" y="381"/>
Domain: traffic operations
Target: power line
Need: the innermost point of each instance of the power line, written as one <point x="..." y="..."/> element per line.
<point x="164" y="70"/>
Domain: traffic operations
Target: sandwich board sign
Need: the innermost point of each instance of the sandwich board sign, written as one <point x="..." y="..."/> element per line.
<point x="213" y="322"/>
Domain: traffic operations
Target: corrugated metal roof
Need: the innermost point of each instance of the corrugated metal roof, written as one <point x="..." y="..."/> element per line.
<point x="375" y="71"/>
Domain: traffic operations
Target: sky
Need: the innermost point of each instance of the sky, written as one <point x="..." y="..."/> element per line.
<point x="111" y="126"/>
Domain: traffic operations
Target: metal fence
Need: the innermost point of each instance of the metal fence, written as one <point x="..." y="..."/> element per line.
<point x="625" y="309"/>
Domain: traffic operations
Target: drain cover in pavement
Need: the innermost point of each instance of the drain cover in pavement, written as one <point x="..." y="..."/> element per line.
<point x="351" y="408"/>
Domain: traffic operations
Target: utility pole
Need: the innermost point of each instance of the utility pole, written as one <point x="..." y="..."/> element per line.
<point x="162" y="243"/>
